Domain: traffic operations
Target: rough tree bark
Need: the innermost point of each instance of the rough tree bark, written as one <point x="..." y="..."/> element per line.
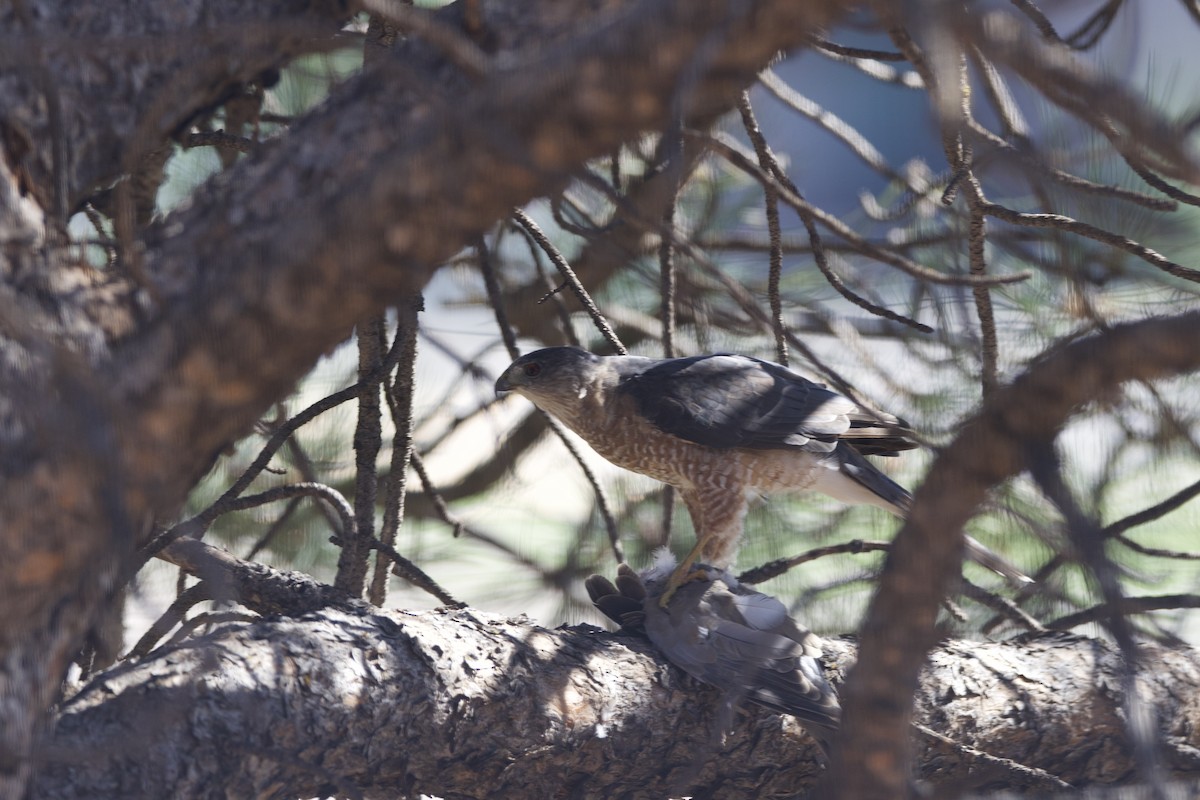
<point x="462" y="704"/>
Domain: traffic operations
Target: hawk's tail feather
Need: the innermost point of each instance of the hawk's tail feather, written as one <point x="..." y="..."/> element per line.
<point x="882" y="490"/>
<point x="895" y="498"/>
<point x="879" y="434"/>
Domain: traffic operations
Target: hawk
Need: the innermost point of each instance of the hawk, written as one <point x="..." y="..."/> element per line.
<point x="720" y="428"/>
<point x="730" y="636"/>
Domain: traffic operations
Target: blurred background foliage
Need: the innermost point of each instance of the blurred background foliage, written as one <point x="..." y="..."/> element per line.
<point x="529" y="528"/>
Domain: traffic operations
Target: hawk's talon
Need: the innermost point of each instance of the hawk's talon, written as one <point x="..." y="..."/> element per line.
<point x="678" y="579"/>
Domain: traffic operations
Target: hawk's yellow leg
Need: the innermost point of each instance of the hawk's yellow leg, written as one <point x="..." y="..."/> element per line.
<point x="683" y="573"/>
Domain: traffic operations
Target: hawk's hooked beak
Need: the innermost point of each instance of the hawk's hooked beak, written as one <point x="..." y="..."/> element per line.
<point x="503" y="387"/>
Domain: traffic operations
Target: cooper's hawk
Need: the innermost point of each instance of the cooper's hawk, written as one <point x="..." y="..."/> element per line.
<point x="718" y="427"/>
<point x="730" y="636"/>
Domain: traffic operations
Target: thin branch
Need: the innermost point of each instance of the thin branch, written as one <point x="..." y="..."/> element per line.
<point x="1117" y="530"/>
<point x="552" y="292"/>
<point x="572" y="280"/>
<point x="1152" y="513"/>
<point x="1094" y="27"/>
<point x="667" y="291"/>
<point x="260" y="588"/>
<point x="731" y="152"/>
<point x="403" y="568"/>
<point x="1140" y="133"/>
<point x="368" y="440"/>
<point x="1157" y="551"/>
<point x="110" y="252"/>
<point x="1039" y="776"/>
<point x="510" y="341"/>
<point x="1125" y="607"/>
<point x="303" y="464"/>
<point x="586" y="228"/>
<point x="399" y="393"/>
<point x="439" y="503"/>
<point x="274" y="529"/>
<point x="990" y="345"/>
<point x="796" y="244"/>
<point x="420" y="22"/>
<point x="778" y="567"/>
<point x="496" y="298"/>
<point x="457" y="526"/>
<point x="666" y="270"/>
<point x="879" y="70"/>
<point x="1039" y="19"/>
<point x="219" y="139"/>
<point x="1065" y="178"/>
<point x="859" y="144"/>
<point x="208" y="618"/>
<point x="856" y="52"/>
<point x="1174" y="192"/>
<point x="768" y="163"/>
<point x="171" y="617"/>
<point x="335" y="499"/>
<point x="1114" y="240"/>
<point x="196" y="525"/>
<point x="1001" y="605"/>
<point x="1088" y="538"/>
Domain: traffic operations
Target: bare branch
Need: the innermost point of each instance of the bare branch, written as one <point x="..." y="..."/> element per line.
<point x="368" y="439"/>
<point x="399" y="392"/>
<point x="1125" y="606"/>
<point x="1115" y="240"/>
<point x="731" y="151"/>
<point x="775" y="568"/>
<point x="1155" y="511"/>
<point x="170" y="618"/>
<point x="768" y="164"/>
<point x="572" y="280"/>
<point x="422" y="23"/>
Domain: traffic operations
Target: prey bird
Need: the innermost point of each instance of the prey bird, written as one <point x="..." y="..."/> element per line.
<point x="729" y="636"/>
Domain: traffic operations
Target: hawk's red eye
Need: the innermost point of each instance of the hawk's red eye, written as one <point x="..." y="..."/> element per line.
<point x="532" y="370"/>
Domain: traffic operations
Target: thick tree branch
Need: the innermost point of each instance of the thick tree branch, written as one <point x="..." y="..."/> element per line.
<point x="462" y="704"/>
<point x="150" y="67"/>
